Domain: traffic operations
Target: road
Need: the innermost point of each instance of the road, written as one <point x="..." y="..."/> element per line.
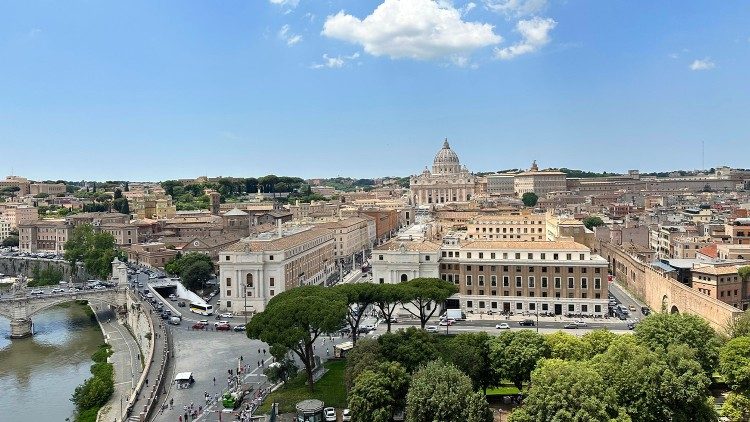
<point x="622" y="296"/>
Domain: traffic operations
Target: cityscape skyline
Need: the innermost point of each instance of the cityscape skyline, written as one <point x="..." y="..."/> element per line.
<point x="285" y="86"/>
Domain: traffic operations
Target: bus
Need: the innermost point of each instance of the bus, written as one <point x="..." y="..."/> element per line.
<point x="198" y="308"/>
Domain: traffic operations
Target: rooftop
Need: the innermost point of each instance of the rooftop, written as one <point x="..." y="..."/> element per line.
<point x="270" y="241"/>
<point x="564" y="245"/>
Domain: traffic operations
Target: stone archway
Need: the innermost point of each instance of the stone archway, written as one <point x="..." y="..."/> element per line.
<point x="404" y="278"/>
<point x="664" y="303"/>
<point x="674" y="310"/>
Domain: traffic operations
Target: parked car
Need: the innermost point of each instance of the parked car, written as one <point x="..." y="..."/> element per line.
<point x="394" y="320"/>
<point x="571" y="326"/>
<point x="181" y="304"/>
<point x="223" y="326"/>
<point x="58" y="290"/>
<point x="346" y="415"/>
<point x="631" y="308"/>
<point x="645" y="310"/>
<point x="581" y="323"/>
<point x="527" y="323"/>
<point x="37" y="292"/>
<point x="226" y="315"/>
<point x="446" y="323"/>
<point x="431" y="329"/>
<point x="239" y="328"/>
<point x="330" y="414"/>
<point x="631" y="326"/>
<point x="216" y="324"/>
<point x="503" y="326"/>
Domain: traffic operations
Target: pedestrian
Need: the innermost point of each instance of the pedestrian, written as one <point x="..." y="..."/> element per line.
<point x="264" y="352"/>
<point x="179" y="419"/>
<point x="214" y="381"/>
<point x="146" y="382"/>
<point x="171" y="403"/>
<point x="241" y="358"/>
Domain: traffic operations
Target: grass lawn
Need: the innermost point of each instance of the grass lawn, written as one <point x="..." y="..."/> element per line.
<point x="502" y="390"/>
<point x="330" y="390"/>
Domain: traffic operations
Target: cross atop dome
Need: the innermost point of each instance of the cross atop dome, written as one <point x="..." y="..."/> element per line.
<point x="446" y="145"/>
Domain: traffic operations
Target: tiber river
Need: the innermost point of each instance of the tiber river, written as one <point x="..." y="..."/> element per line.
<point x="39" y="374"/>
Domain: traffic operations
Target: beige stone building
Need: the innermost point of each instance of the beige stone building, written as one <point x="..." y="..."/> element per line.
<point x="501" y="184"/>
<point x="51" y="189"/>
<point x="519" y="226"/>
<point x="207" y="245"/>
<point x="254" y="270"/>
<point x="153" y="254"/>
<point x="4" y="228"/>
<point x="398" y="261"/>
<point x="447" y="182"/>
<point x="44" y="236"/>
<point x="351" y="235"/>
<point x="18" y="214"/>
<point x="721" y="282"/>
<point x="22" y="183"/>
<point x="539" y="182"/>
<point x="150" y="201"/>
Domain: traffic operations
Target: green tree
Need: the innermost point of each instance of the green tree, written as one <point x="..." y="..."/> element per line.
<point x="661" y="330"/>
<point x="411" y="348"/>
<point x="94" y="392"/>
<point x="441" y="392"/>
<point x="596" y="342"/>
<point x="736" y="407"/>
<point x="565" y="346"/>
<point x="529" y="199"/>
<point x="117" y="194"/>
<point x="377" y="395"/>
<point x="470" y="352"/>
<point x="121" y="205"/>
<point x="178" y="264"/>
<point x="734" y="363"/>
<point x="11" y="240"/>
<point x="366" y="356"/>
<point x="282" y="370"/>
<point x="569" y="392"/>
<point x="426" y="295"/>
<point x="96" y="250"/>
<point x="591" y="222"/>
<point x="359" y="297"/>
<point x="515" y="354"/>
<point x="387" y="299"/>
<point x="655" y="386"/>
<point x="195" y="275"/>
<point x="294" y="319"/>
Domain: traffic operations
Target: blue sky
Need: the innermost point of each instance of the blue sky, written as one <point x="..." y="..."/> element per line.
<point x="146" y="90"/>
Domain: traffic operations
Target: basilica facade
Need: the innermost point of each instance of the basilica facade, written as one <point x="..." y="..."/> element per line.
<point x="447" y="182"/>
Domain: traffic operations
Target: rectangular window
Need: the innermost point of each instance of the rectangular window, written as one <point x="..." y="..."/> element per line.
<point x="480" y="279"/>
<point x="468" y="280"/>
<point x="597" y="283"/>
<point x="492" y="255"/>
<point x="571" y="308"/>
<point x="571" y="283"/>
<point x="584" y="283"/>
<point x="481" y="268"/>
<point x="229" y="282"/>
<point x="229" y="293"/>
<point x="518" y="256"/>
<point x="469" y="304"/>
<point x="468" y="255"/>
<point x="544" y="255"/>
<point x="544" y="282"/>
<point x="493" y="280"/>
<point x="531" y="282"/>
<point x="557" y="282"/>
<point x="584" y="308"/>
<point x="597" y="308"/>
<point x="518" y="281"/>
<point x="271" y="258"/>
<point x="519" y="305"/>
<point x="569" y="256"/>
<point x="530" y="256"/>
<point x="481" y="256"/>
<point x="506" y="281"/>
<point x="272" y="282"/>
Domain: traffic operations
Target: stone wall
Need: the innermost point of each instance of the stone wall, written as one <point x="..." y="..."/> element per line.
<point x="662" y="293"/>
<point x="14" y="266"/>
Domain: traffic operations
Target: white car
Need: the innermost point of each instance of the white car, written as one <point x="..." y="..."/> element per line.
<point x="58" y="290"/>
<point x="581" y="323"/>
<point x="37" y="292"/>
<point x="226" y="315"/>
<point x="346" y="415"/>
<point x="330" y="414"/>
<point x="503" y="326"/>
<point x="431" y="329"/>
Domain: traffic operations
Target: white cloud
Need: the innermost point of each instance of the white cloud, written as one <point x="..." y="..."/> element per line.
<point x="417" y="29"/>
<point x="704" y="64"/>
<point x="468" y="7"/>
<point x="34" y="32"/>
<point x="286" y="3"/>
<point x="334" y="62"/>
<point x="535" y="34"/>
<point x="288" y="37"/>
<point x="516" y="8"/>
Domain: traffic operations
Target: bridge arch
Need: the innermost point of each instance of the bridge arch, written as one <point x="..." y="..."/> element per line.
<point x="34" y="310"/>
<point x="674" y="310"/>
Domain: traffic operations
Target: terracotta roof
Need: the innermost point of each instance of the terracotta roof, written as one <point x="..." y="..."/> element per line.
<point x="717" y="270"/>
<point x="711" y="251"/>
<point x="278" y="244"/>
<point x="235" y="212"/>
<point x="522" y="246"/>
<point x="412" y="246"/>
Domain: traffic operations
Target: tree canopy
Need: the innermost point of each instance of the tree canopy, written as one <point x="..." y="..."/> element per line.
<point x="441" y="392"/>
<point x="591" y="222"/>
<point x="734" y="362"/>
<point x="515" y="354"/>
<point x="411" y="348"/>
<point x="95" y="250"/>
<point x="358" y="297"/>
<point x="378" y="394"/>
<point x="294" y="319"/>
<point x="470" y="352"/>
<point x="529" y="199"/>
<point x="426" y="295"/>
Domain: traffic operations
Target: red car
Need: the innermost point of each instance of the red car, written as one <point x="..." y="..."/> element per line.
<point x="223" y="327"/>
<point x="199" y="326"/>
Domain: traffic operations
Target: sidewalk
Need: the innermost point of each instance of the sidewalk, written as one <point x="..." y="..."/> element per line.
<point x="154" y="369"/>
<point x="127" y="366"/>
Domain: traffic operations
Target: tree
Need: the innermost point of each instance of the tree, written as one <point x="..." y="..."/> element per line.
<point x="366" y="356"/>
<point x="426" y="294"/>
<point x="11" y="240"/>
<point x="411" y="348"/>
<point x="359" y="297"/>
<point x="739" y="326"/>
<point x="441" y="392"/>
<point x="596" y="342"/>
<point x="529" y="199"/>
<point x="660" y="330"/>
<point x="734" y="363"/>
<point x="377" y="395"/>
<point x="118" y="194"/>
<point x="96" y="250"/>
<point x="655" y="386"/>
<point x="736" y="407"/>
<point x="178" y="264"/>
<point x="294" y="319"/>
<point x="121" y="205"/>
<point x="387" y="298"/>
<point x="515" y="354"/>
<point x="470" y="352"/>
<point x="568" y="391"/>
<point x="565" y="346"/>
<point x="282" y="370"/>
<point x="195" y="275"/>
<point x="591" y="222"/>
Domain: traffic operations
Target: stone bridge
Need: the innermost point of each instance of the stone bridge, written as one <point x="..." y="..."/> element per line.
<point x="21" y="308"/>
<point x="663" y="293"/>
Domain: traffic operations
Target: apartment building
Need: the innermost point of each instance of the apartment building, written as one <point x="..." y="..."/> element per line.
<point x="511" y="226"/>
<point x="152" y="254"/>
<point x="398" y="261"/>
<point x="23" y="184"/>
<point x="738" y="231"/>
<point x="721" y="282"/>
<point x="387" y="222"/>
<point x="254" y="270"/>
<point x="150" y="201"/>
<point x="539" y="182"/>
<point x="501" y="184"/>
<point x="18" y="214"/>
<point x="207" y="245"/>
<point x="4" y="228"/>
<point x="44" y="236"/>
<point x="51" y="189"/>
<point x="351" y="235"/>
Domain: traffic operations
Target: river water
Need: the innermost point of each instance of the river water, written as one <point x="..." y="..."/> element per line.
<point x="39" y="374"/>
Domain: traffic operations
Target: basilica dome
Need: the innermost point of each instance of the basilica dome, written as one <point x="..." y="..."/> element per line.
<point x="446" y="161"/>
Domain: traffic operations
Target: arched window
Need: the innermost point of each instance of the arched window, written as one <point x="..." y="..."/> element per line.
<point x="249" y="280"/>
<point x="404" y="278"/>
